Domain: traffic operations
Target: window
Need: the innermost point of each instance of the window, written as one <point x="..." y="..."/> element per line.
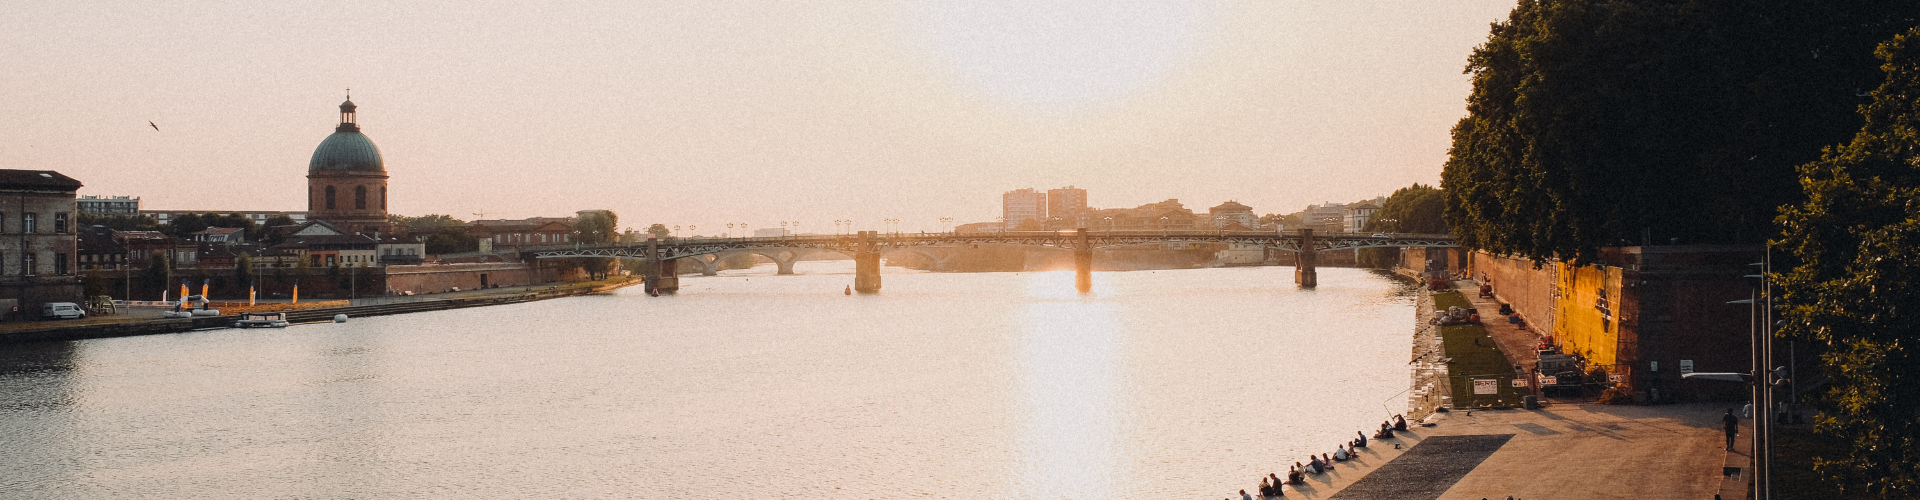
<point x="383" y="198"/>
<point x="60" y="223"/>
<point x="29" y="223"/>
<point x="329" y="197"/>
<point x="359" y="197"/>
<point x="27" y="263"/>
<point x="3" y="222"/>
<point x="60" y="264"/>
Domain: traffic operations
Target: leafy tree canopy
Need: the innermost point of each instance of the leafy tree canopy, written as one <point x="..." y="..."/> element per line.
<point x="597" y="226"/>
<point x="1855" y="290"/>
<point x="1606" y="122"/>
<point x="121" y="222"/>
<point x="659" y="231"/>
<point x="1413" y="209"/>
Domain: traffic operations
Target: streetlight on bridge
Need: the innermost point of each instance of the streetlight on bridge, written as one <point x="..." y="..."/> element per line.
<point x="947" y="222"/>
<point x="1003" y="224"/>
<point x="676" y="231"/>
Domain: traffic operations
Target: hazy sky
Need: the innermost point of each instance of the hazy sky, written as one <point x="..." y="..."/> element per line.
<point x="753" y="112"/>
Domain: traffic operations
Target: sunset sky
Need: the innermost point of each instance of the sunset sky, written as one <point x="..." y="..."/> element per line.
<point x="708" y="113"/>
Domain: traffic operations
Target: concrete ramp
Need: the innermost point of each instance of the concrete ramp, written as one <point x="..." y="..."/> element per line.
<point x="1426" y="470"/>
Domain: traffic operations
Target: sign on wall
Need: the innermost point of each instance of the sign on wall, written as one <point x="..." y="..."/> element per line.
<point x="1486" y="386"/>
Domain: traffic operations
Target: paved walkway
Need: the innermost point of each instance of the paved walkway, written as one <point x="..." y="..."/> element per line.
<point x="1568" y="451"/>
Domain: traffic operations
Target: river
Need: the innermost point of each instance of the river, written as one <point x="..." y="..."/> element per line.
<point x="1160" y="384"/>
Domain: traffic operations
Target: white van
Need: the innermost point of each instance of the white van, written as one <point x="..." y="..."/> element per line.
<point x="62" y="310"/>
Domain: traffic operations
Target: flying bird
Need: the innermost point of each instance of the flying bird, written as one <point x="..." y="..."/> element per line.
<point x="156" y="128"/>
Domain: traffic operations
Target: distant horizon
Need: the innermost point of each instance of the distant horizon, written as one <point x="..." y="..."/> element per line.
<point x="757" y="112"/>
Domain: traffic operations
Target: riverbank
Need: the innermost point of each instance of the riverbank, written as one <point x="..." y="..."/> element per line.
<point x="141" y="321"/>
<point x="1498" y="450"/>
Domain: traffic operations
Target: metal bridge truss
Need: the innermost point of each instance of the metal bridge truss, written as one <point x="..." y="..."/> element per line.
<point x="676" y="248"/>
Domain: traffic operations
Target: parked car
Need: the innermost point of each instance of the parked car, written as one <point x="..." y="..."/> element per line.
<point x="62" y="310"/>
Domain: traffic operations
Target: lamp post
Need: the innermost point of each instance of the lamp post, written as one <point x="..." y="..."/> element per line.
<point x="1003" y="225"/>
<point x="729" y="232"/>
<point x="1109" y="226"/>
<point x="893" y="226"/>
<point x="693" y="231"/>
<point x="947" y="222"/>
<point x="1761" y="379"/>
<point x="744" y="233"/>
<point x="1052" y="222"/>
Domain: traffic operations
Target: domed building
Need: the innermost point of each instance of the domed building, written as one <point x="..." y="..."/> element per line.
<point x="346" y="181"/>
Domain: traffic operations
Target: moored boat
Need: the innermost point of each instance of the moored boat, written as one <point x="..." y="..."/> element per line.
<point x="262" y="320"/>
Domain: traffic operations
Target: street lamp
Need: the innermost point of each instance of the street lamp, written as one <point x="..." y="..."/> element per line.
<point x="744" y="233"/>
<point x="1395" y="227"/>
<point x="1109" y="226"/>
<point x="1003" y="224"/>
<point x="947" y="222"/>
<point x="676" y="231"/>
<point x="1051" y="222"/>
<point x="729" y="232"/>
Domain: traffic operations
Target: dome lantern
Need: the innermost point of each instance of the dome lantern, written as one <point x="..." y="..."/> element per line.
<point x="346" y="116"/>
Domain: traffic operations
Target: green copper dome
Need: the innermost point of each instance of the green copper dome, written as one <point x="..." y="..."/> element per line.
<point x="346" y="152"/>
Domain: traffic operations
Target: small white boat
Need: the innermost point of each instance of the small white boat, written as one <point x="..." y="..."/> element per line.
<point x="262" y="320"/>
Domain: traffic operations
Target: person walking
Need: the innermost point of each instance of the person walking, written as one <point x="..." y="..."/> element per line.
<point x="1733" y="427"/>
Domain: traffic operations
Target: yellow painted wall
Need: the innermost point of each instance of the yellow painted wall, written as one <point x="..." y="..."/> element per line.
<point x="1579" y="325"/>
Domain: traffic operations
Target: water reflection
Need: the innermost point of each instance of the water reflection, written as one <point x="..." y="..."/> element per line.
<point x="1070" y="382"/>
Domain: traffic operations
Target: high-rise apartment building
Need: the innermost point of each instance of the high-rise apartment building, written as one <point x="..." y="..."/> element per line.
<point x="1069" y="204"/>
<point x="1021" y="205"/>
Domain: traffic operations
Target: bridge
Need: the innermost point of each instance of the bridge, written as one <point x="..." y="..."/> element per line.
<point x="866" y="248"/>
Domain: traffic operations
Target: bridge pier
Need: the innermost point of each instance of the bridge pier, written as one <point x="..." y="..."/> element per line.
<point x="866" y="264"/>
<point x="661" y="275"/>
<point x="709" y="267"/>
<point x="1303" y="273"/>
<point x="786" y="266"/>
<point x="1082" y="263"/>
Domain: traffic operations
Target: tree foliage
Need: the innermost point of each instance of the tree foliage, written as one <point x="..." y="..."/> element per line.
<point x="442" y="234"/>
<point x="1413" y="209"/>
<point x="597" y="226"/>
<point x="659" y="231"/>
<point x="120" y="222"/>
<point x="1605" y="122"/>
<point x="1855" y="290"/>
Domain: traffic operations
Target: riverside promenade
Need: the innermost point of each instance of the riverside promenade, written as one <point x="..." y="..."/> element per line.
<point x="147" y="321"/>
<point x="1565" y="450"/>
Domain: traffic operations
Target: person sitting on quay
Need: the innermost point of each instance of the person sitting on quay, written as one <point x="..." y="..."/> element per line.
<point x="1245" y="496"/>
<point x="1340" y="453"/>
<point x="1314" y="465"/>
<point x="1294" y="475"/>
<point x="1278" y="489"/>
<point x="1386" y="431"/>
<point x="1362" y="442"/>
<point x="1266" y="490"/>
<point x="1326" y="461"/>
<point x="1399" y="424"/>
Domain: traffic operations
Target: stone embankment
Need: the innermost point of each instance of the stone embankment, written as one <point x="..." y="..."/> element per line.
<point x="116" y="327"/>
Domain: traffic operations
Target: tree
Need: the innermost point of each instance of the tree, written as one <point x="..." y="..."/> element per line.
<point x="1413" y="209"/>
<point x="1855" y="290"/>
<point x="120" y="222"/>
<point x="268" y="233"/>
<point x="243" y="269"/>
<point x="444" y="234"/>
<point x="158" y="275"/>
<point x="186" y="224"/>
<point x="659" y="231"/>
<point x="93" y="284"/>
<point x="1605" y="122"/>
<point x="597" y="226"/>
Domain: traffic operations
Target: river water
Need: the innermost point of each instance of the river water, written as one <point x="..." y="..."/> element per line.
<point x="1160" y="384"/>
